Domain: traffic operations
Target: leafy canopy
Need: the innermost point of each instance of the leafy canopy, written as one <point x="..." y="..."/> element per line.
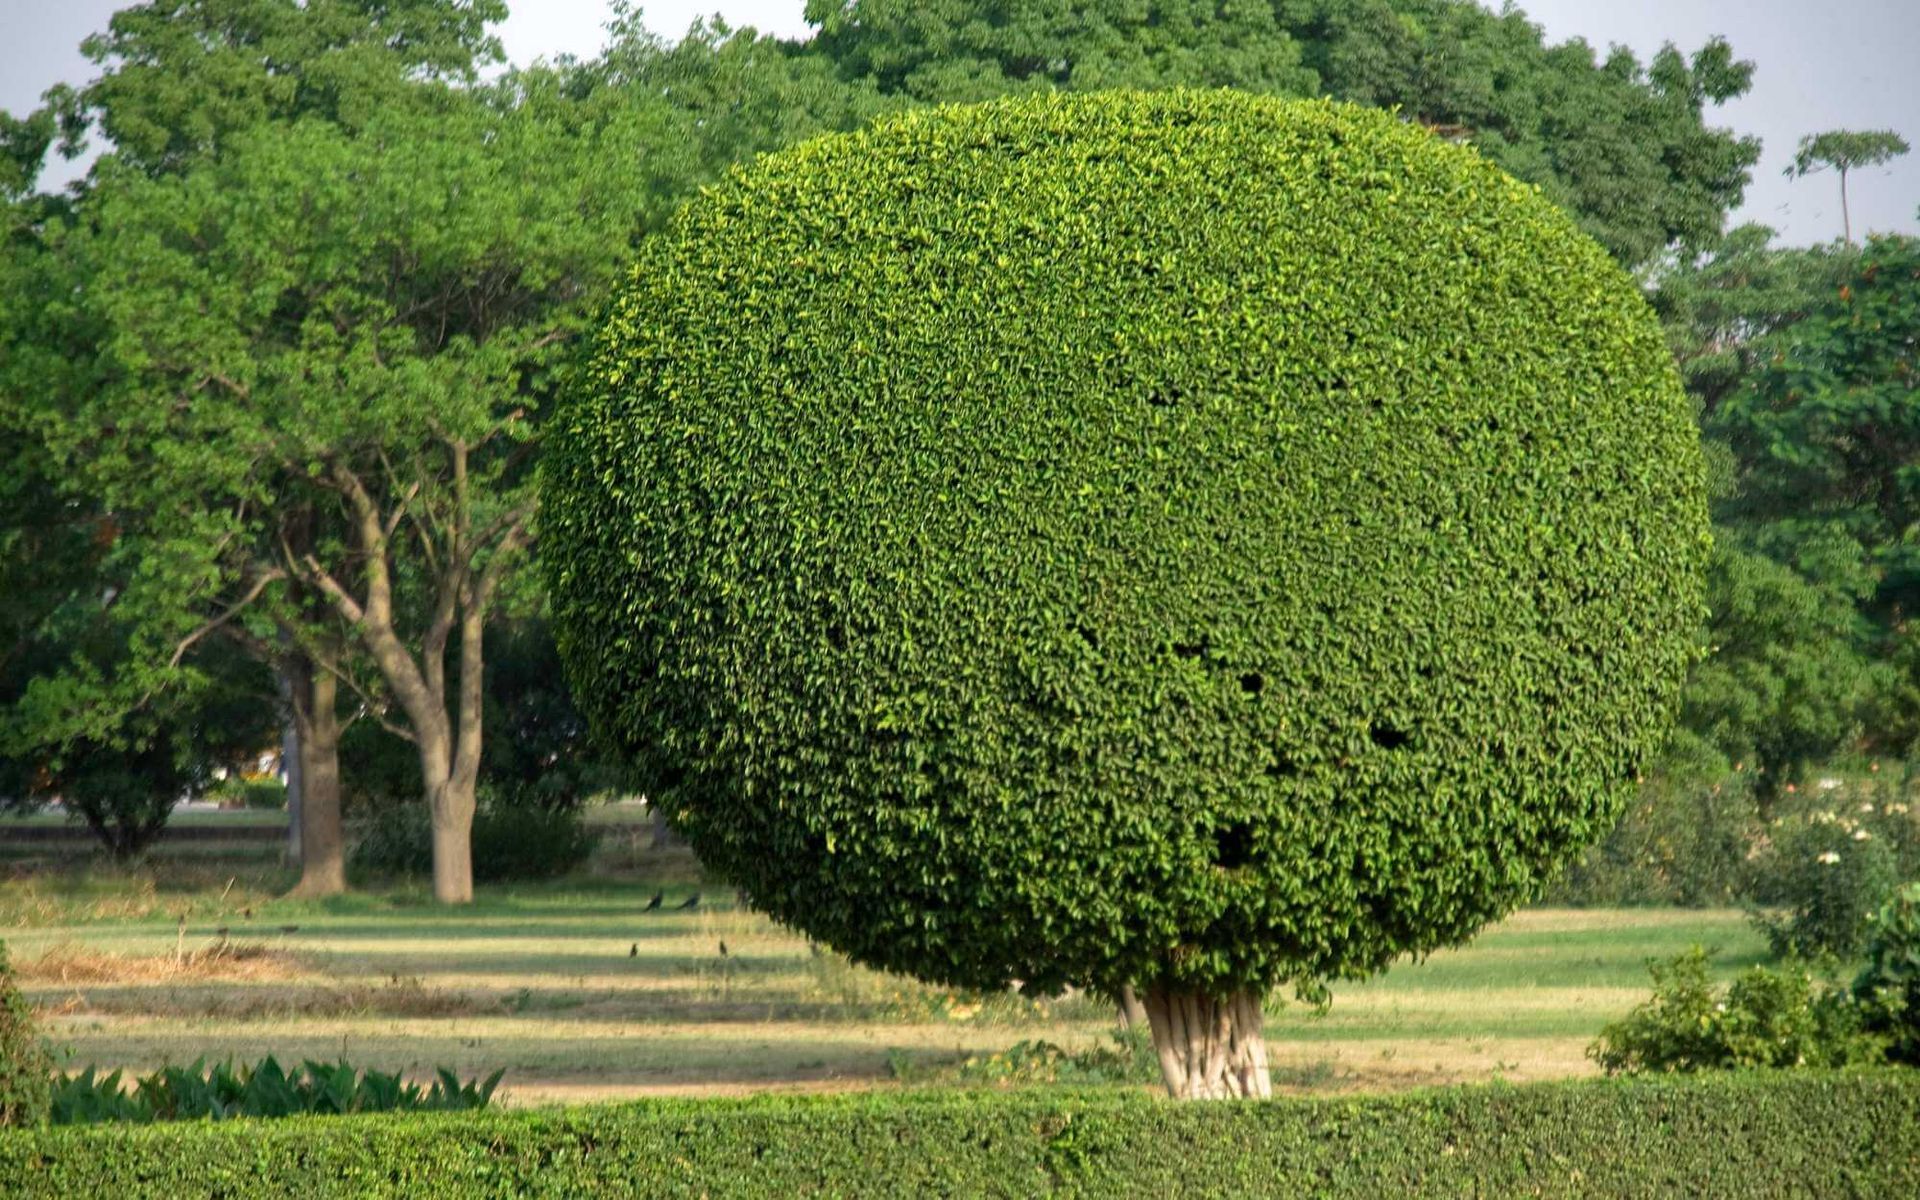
<point x="1182" y="537"/>
<point x="1625" y="146"/>
<point x="1846" y="150"/>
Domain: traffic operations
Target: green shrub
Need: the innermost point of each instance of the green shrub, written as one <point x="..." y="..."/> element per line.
<point x="236" y="791"/>
<point x="1820" y="879"/>
<point x="1682" y="841"/>
<point x="1888" y="987"/>
<point x="395" y="840"/>
<point x="513" y="839"/>
<point x="1750" y="1135"/>
<point x="1184" y="538"/>
<point x="1765" y="1018"/>
<point x="223" y="1091"/>
<point x="24" y="1062"/>
<point x="515" y="836"/>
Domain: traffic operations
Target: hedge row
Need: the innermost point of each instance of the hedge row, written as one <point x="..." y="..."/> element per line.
<point x="1745" y="1135"/>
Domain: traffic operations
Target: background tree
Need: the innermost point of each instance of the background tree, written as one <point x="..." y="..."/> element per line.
<point x="1790" y="680"/>
<point x="1844" y="150"/>
<point x="1825" y="436"/>
<point x="1626" y="148"/>
<point x="1785" y="684"/>
<point x="325" y="348"/>
<point x="734" y="94"/>
<point x="180" y="81"/>
<point x="181" y="77"/>
<point x="979" y="531"/>
<point x="321" y="465"/>
<point x="1720" y="305"/>
<point x="960" y="50"/>
<point x="125" y="784"/>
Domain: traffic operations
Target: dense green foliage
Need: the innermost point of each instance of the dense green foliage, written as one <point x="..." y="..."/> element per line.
<point x="1624" y="146"/>
<point x="223" y="1092"/>
<point x="1114" y="538"/>
<point x="1803" y="364"/>
<point x="1785" y="683"/>
<point x="1749" y="1135"/>
<point x="123" y="782"/>
<point x="1720" y="307"/>
<point x="1828" y="426"/>
<point x="1888" y="986"/>
<point x="1766" y="1018"/>
<point x="25" y="1066"/>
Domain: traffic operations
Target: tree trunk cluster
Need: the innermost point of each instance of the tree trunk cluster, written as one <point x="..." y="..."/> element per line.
<point x="1210" y="1047"/>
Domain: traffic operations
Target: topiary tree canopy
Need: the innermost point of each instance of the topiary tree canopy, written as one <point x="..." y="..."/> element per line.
<point x="1182" y="541"/>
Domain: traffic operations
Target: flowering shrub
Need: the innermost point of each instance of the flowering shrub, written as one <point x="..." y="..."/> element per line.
<point x="1765" y="1018"/>
<point x="1820" y="878"/>
<point x="1888" y="987"/>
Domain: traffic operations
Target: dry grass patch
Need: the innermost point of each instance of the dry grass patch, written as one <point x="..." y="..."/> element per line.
<point x="223" y="960"/>
<point x="186" y="997"/>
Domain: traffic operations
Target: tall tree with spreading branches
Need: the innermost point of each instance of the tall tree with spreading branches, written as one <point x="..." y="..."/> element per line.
<point x="1843" y="151"/>
<point x="180" y="83"/>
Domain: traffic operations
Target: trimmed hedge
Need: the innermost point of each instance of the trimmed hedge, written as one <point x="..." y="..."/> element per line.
<point x="1181" y="537"/>
<point x="1743" y="1135"/>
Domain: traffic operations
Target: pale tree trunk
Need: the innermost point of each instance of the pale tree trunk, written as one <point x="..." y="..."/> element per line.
<point x="1846" y="218"/>
<point x="451" y="768"/>
<point x="290" y="763"/>
<point x="323" y="869"/>
<point x="453" y="850"/>
<point x="1210" y="1047"/>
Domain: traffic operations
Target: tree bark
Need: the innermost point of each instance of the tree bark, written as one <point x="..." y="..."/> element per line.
<point x="453" y="848"/>
<point x="323" y="867"/>
<point x="1210" y="1047"/>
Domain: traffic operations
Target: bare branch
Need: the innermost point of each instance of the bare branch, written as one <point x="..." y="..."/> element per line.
<point x="400" y="507"/>
<point x="513" y="517"/>
<point x="253" y="593"/>
<point x="236" y="387"/>
<point x="342" y="599"/>
<point x="372" y="705"/>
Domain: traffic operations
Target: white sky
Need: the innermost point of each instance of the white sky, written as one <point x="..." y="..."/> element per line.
<point x="1851" y="64"/>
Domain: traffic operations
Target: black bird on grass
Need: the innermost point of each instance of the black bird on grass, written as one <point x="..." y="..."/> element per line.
<point x="655" y="902"/>
<point x="723" y="949"/>
<point x="690" y="903"/>
<point x="633" y="951"/>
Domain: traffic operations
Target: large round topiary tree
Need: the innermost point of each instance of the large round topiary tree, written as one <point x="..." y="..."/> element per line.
<point x="1181" y="540"/>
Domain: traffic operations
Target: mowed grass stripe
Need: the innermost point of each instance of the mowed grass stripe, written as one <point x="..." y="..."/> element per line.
<point x="578" y="987"/>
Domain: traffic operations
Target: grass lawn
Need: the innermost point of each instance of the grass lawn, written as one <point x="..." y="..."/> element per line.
<point x="579" y="993"/>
